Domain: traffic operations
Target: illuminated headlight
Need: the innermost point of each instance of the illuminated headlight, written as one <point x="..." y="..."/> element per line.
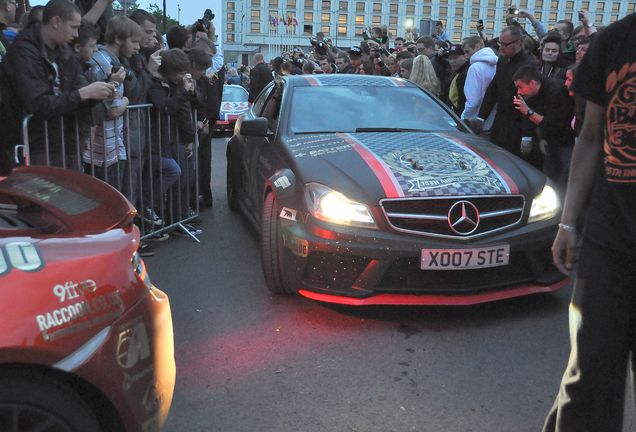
<point x="545" y="205"/>
<point x="331" y="206"/>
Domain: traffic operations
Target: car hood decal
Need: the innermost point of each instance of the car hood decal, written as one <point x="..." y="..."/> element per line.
<point x="415" y="164"/>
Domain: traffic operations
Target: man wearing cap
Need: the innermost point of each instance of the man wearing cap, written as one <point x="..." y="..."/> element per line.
<point x="459" y="65"/>
<point x="355" y="55"/>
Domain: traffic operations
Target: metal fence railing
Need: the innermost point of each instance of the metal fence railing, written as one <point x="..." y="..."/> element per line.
<point x="140" y="153"/>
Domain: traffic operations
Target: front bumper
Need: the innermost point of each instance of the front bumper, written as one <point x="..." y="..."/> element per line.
<point x="135" y="368"/>
<point x="367" y="267"/>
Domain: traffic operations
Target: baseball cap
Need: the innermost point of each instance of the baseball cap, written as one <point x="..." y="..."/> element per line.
<point x="456" y="50"/>
<point x="355" y="51"/>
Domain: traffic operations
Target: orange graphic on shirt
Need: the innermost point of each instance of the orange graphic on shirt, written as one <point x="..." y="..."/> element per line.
<point x="620" y="139"/>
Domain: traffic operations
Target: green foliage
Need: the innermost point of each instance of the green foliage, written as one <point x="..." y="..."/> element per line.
<point x="157" y="12"/>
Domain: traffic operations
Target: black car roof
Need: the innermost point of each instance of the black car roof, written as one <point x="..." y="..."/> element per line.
<point x="322" y="80"/>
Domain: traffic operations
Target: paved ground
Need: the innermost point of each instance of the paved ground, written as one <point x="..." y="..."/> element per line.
<point x="247" y="361"/>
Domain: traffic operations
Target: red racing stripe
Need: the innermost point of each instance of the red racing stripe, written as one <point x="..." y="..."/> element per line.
<point x="391" y="186"/>
<point x="312" y="81"/>
<point x="509" y="181"/>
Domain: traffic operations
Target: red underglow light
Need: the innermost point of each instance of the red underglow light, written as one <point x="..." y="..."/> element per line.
<point x="435" y="299"/>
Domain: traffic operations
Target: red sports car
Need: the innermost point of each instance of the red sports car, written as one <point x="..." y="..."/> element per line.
<point x="233" y="104"/>
<point x="86" y="340"/>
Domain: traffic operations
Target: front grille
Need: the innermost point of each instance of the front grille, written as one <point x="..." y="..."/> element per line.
<point x="429" y="216"/>
<point x="404" y="275"/>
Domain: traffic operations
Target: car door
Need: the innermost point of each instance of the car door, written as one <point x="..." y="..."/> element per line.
<point x="263" y="158"/>
<point x="246" y="146"/>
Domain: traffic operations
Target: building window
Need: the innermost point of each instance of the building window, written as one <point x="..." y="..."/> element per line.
<point x="256" y="3"/>
<point x="377" y="7"/>
<point x="326" y="4"/>
<point x="359" y="7"/>
<point x="344" y="6"/>
<point x="376" y="20"/>
<point x="309" y="17"/>
<point x="426" y="11"/>
<point x="537" y="4"/>
<point x="308" y="29"/>
<point x="443" y="11"/>
<point x="231" y="16"/>
<point x="230" y="5"/>
<point x="255" y="27"/>
<point x="393" y="8"/>
<point x="393" y="20"/>
<point x="410" y="9"/>
<point x="359" y="31"/>
<point x="325" y="17"/>
<point x="230" y="27"/>
<point x="360" y="20"/>
<point x="229" y="37"/>
<point x="342" y="19"/>
<point x="256" y="15"/>
<point x="309" y="4"/>
<point x="325" y="29"/>
<point x="342" y="30"/>
<point x="291" y="4"/>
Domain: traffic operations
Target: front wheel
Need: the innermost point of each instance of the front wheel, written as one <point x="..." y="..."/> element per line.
<point x="272" y="247"/>
<point x="32" y="402"/>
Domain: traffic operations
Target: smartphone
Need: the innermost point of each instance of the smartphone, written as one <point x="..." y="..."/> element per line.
<point x="480" y="22"/>
<point x="581" y="16"/>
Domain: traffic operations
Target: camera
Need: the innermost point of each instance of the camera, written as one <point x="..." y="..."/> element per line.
<point x="203" y="24"/>
<point x="319" y="46"/>
<point x="513" y="11"/>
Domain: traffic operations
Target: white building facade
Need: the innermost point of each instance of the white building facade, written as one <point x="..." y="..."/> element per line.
<point x="273" y="26"/>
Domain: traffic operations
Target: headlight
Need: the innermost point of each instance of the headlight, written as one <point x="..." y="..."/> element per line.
<point x="545" y="205"/>
<point x="328" y="205"/>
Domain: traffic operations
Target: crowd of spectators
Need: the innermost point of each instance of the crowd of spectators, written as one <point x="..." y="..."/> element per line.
<point x="80" y="66"/>
<point x="88" y="76"/>
<point x="530" y="113"/>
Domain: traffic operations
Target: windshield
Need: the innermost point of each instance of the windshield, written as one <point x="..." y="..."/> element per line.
<point x="349" y="108"/>
<point x="234" y="94"/>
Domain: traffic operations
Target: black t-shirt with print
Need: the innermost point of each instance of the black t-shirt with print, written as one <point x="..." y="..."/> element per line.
<point x="607" y="77"/>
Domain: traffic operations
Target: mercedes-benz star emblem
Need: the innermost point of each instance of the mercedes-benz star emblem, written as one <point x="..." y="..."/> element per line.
<point x="463" y="218"/>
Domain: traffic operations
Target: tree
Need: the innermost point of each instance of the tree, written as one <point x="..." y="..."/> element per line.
<point x="157" y="13"/>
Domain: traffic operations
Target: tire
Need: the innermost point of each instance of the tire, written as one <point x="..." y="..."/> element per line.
<point x="231" y="183"/>
<point x="40" y="403"/>
<point x="272" y="247"/>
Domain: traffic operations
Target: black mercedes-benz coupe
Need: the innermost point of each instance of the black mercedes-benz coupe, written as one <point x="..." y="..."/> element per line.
<point x="367" y="190"/>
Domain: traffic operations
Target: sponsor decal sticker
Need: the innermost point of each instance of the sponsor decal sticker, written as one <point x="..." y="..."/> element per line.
<point x="289" y="214"/>
<point x="132" y="345"/>
<point x="20" y="255"/>
<point x="282" y="182"/>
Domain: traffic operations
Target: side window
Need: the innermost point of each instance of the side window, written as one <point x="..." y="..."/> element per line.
<point x="272" y="106"/>
<point x="257" y="106"/>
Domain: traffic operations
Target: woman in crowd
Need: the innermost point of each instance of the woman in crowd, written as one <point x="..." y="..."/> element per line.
<point x="424" y="75"/>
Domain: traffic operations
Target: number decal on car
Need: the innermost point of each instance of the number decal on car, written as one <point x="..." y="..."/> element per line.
<point x="20" y="255"/>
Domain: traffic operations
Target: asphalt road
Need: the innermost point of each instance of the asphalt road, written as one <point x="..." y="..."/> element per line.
<point x="249" y="361"/>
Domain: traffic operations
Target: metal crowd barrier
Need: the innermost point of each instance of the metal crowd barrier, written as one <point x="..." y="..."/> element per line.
<point x="69" y="142"/>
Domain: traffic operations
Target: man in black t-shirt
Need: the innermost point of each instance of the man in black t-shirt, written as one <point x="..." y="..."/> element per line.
<point x="603" y="306"/>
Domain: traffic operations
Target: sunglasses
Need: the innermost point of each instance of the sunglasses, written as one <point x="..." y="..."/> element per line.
<point x="505" y="44"/>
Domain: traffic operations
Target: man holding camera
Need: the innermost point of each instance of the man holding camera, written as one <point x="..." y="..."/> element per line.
<point x="260" y="76"/>
<point x="547" y="109"/>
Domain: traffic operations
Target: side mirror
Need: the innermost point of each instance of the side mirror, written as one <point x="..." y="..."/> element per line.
<point x="256" y="127"/>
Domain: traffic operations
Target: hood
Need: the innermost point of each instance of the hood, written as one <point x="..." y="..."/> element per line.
<point x="485" y="55"/>
<point x="371" y="166"/>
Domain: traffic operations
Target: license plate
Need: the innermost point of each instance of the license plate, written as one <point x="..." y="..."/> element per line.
<point x="465" y="259"/>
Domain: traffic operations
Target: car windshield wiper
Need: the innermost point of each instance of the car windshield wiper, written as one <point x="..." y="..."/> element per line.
<point x="389" y="129"/>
